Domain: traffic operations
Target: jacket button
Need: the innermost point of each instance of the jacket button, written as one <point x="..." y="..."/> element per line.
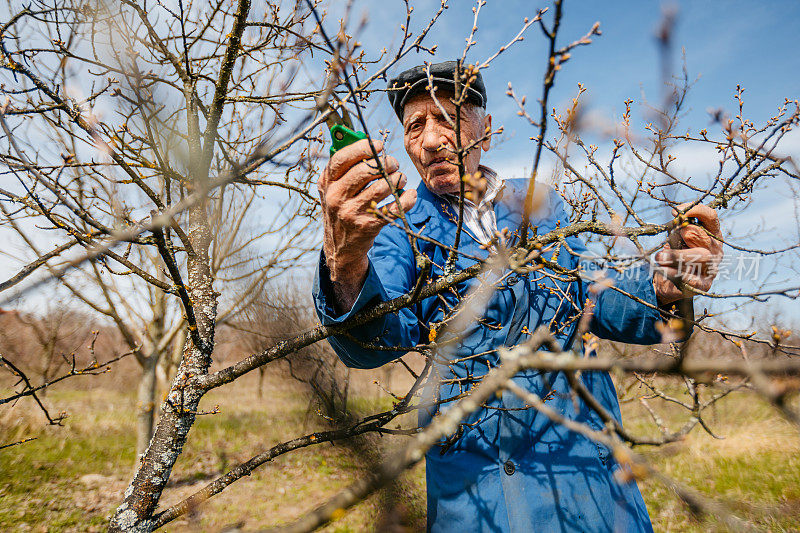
<point x="509" y="468"/>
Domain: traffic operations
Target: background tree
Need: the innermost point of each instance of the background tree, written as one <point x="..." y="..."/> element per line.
<point x="281" y="314"/>
<point x="44" y="342"/>
<point x="139" y="134"/>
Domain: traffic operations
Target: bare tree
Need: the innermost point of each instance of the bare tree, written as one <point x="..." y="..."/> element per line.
<point x="280" y="314"/>
<point x="176" y="134"/>
<point x="41" y="350"/>
<point x="57" y="335"/>
<point x="160" y="115"/>
<point x="150" y="323"/>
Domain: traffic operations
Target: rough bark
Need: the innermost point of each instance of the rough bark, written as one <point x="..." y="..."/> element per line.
<point x="180" y="407"/>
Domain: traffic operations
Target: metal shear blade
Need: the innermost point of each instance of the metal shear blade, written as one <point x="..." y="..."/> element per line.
<point x="334" y="118"/>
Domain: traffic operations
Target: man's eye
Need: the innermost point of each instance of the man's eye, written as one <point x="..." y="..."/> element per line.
<point x="415" y="126"/>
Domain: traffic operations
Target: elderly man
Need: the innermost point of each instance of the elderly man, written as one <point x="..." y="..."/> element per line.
<point x="507" y="468"/>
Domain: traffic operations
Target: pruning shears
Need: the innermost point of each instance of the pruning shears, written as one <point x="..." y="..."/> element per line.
<point x="674" y="236"/>
<point x="341" y="128"/>
<point x="342" y="132"/>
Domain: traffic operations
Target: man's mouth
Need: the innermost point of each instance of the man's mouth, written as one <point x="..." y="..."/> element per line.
<point x="438" y="161"/>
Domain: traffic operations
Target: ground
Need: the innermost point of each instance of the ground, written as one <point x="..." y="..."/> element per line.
<point x="72" y="477"/>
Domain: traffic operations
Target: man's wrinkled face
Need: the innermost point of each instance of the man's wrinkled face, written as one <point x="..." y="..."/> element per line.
<point x="431" y="141"/>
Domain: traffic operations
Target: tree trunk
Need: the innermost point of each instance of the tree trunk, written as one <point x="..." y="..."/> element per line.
<point x="261" y="373"/>
<point x="180" y="407"/>
<point x="146" y="404"/>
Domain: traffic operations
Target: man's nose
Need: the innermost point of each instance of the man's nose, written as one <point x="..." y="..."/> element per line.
<point x="433" y="138"/>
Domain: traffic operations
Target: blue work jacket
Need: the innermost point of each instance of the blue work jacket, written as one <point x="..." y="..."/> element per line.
<point x="507" y="468"/>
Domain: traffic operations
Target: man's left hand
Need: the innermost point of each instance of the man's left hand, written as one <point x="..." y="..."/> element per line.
<point x="696" y="265"/>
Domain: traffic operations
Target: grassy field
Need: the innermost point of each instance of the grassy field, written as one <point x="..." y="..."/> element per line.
<point x="72" y="477"/>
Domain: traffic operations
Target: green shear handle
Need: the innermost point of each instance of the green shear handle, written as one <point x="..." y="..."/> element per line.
<point x="341" y="128"/>
<point x="343" y="136"/>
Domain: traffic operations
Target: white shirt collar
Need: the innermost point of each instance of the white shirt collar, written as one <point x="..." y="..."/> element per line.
<point x="494" y="184"/>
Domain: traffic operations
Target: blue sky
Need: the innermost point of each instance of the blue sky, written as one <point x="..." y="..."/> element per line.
<point x="725" y="43"/>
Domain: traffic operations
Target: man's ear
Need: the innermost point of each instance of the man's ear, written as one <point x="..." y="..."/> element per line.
<point x="487" y="128"/>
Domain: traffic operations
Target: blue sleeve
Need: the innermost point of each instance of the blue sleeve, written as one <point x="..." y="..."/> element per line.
<point x="391" y="273"/>
<point x="616" y="316"/>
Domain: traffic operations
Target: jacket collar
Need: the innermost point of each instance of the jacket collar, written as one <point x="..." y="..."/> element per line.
<point x="428" y="205"/>
<point x="507" y="205"/>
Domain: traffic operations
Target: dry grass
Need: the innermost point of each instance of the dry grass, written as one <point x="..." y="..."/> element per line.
<point x="71" y="478"/>
<point x="754" y="467"/>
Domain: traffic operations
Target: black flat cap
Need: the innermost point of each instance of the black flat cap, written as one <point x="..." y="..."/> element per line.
<point x="414" y="81"/>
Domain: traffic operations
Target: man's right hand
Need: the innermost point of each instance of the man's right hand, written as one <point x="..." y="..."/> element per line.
<point x="349" y="185"/>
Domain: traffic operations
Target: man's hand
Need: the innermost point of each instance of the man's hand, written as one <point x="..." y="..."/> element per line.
<point x="696" y="265"/>
<point x="349" y="185"/>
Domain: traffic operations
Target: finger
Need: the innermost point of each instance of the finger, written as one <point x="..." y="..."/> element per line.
<point x="380" y="189"/>
<point x="697" y="261"/>
<point x="666" y="291"/>
<point x="697" y="237"/>
<point x="345" y="158"/>
<point x="388" y="166"/>
<point x="388" y="163"/>
<point x="407" y="201"/>
<point x="359" y="178"/>
<point x="708" y="217"/>
<point x="697" y="281"/>
<point x="685" y="256"/>
<point x="391" y="212"/>
<point x="365" y="217"/>
<point x="667" y="256"/>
